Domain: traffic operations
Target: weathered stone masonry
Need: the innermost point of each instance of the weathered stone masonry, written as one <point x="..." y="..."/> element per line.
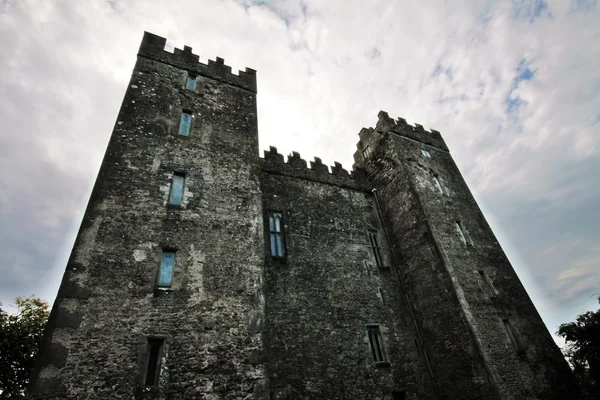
<point x="391" y="284"/>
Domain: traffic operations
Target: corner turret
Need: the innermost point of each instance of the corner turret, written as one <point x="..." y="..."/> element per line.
<point x="369" y="137"/>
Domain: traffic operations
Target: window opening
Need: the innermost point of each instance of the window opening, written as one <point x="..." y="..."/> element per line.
<point x="376" y="343"/>
<point x="366" y="152"/>
<point x="514" y="336"/>
<point x="425" y="153"/>
<point x="185" y="123"/>
<point x="437" y="184"/>
<point x="373" y="241"/>
<point x="369" y="268"/>
<point x="155" y="346"/>
<point x="177" y="184"/>
<point x="276" y="235"/>
<point x="489" y="288"/>
<point x="460" y="231"/>
<point x="190" y="83"/>
<point x="165" y="274"/>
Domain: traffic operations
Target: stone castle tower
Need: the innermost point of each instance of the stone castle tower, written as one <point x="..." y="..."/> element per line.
<point x="202" y="271"/>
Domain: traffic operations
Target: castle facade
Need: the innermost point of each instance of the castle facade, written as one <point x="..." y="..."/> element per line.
<point x="203" y="271"/>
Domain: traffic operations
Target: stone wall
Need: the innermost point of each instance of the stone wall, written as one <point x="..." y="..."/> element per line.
<point x="464" y="291"/>
<point x="321" y="296"/>
<point x="109" y="305"/>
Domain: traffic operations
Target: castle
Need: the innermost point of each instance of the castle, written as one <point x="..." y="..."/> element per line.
<point x="203" y="271"/>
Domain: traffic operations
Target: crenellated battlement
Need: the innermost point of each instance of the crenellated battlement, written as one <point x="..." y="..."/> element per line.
<point x="370" y="137"/>
<point x="403" y="128"/>
<point x="153" y="47"/>
<point x="296" y="166"/>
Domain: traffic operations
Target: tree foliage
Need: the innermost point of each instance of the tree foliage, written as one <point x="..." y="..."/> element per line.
<point x="20" y="337"/>
<point x="582" y="349"/>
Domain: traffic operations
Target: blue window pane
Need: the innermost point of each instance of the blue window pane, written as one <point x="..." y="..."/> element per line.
<point x="276" y="235"/>
<point x="166" y="269"/>
<point x="277" y="226"/>
<point x="190" y="84"/>
<point x="185" y="123"/>
<point x="273" y="249"/>
<point x="279" y="245"/>
<point x="176" y="190"/>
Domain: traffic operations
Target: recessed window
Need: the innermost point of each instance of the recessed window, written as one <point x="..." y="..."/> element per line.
<point x="177" y="184"/>
<point x="276" y="234"/>
<point x="376" y="344"/>
<point x="185" y="123"/>
<point x="374" y="243"/>
<point x="155" y="350"/>
<point x="487" y="284"/>
<point x="514" y="336"/>
<point x="366" y="151"/>
<point x="425" y="153"/>
<point x="437" y="184"/>
<point x="461" y="232"/>
<point x="165" y="274"/>
<point x="380" y="295"/>
<point x="190" y="83"/>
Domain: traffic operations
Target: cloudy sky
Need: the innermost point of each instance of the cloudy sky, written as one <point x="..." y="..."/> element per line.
<point x="514" y="87"/>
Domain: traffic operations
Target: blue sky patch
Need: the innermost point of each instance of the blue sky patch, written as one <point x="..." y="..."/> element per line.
<point x="524" y="73"/>
<point x="531" y="10"/>
<point x="512" y="105"/>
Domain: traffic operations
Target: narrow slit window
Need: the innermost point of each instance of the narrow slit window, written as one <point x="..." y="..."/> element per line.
<point x="461" y="232"/>
<point x="177" y="185"/>
<point x="165" y="274"/>
<point x="276" y="235"/>
<point x="374" y="243"/>
<point x="487" y="284"/>
<point x="380" y="292"/>
<point x="366" y="152"/>
<point x="514" y="336"/>
<point x="437" y="184"/>
<point x="376" y="344"/>
<point x="155" y="350"/>
<point x="185" y="123"/>
<point x="425" y="153"/>
<point x="190" y="83"/>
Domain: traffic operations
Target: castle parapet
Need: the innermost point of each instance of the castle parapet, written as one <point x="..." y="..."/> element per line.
<point x="370" y="137"/>
<point x="297" y="167"/>
<point x="403" y="128"/>
<point x="153" y="47"/>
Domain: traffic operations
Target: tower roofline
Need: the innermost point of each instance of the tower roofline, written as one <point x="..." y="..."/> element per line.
<point x="399" y="126"/>
<point x="153" y="47"/>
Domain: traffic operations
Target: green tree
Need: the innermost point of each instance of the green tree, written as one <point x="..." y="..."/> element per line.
<point x="582" y="349"/>
<point x="20" y="337"/>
